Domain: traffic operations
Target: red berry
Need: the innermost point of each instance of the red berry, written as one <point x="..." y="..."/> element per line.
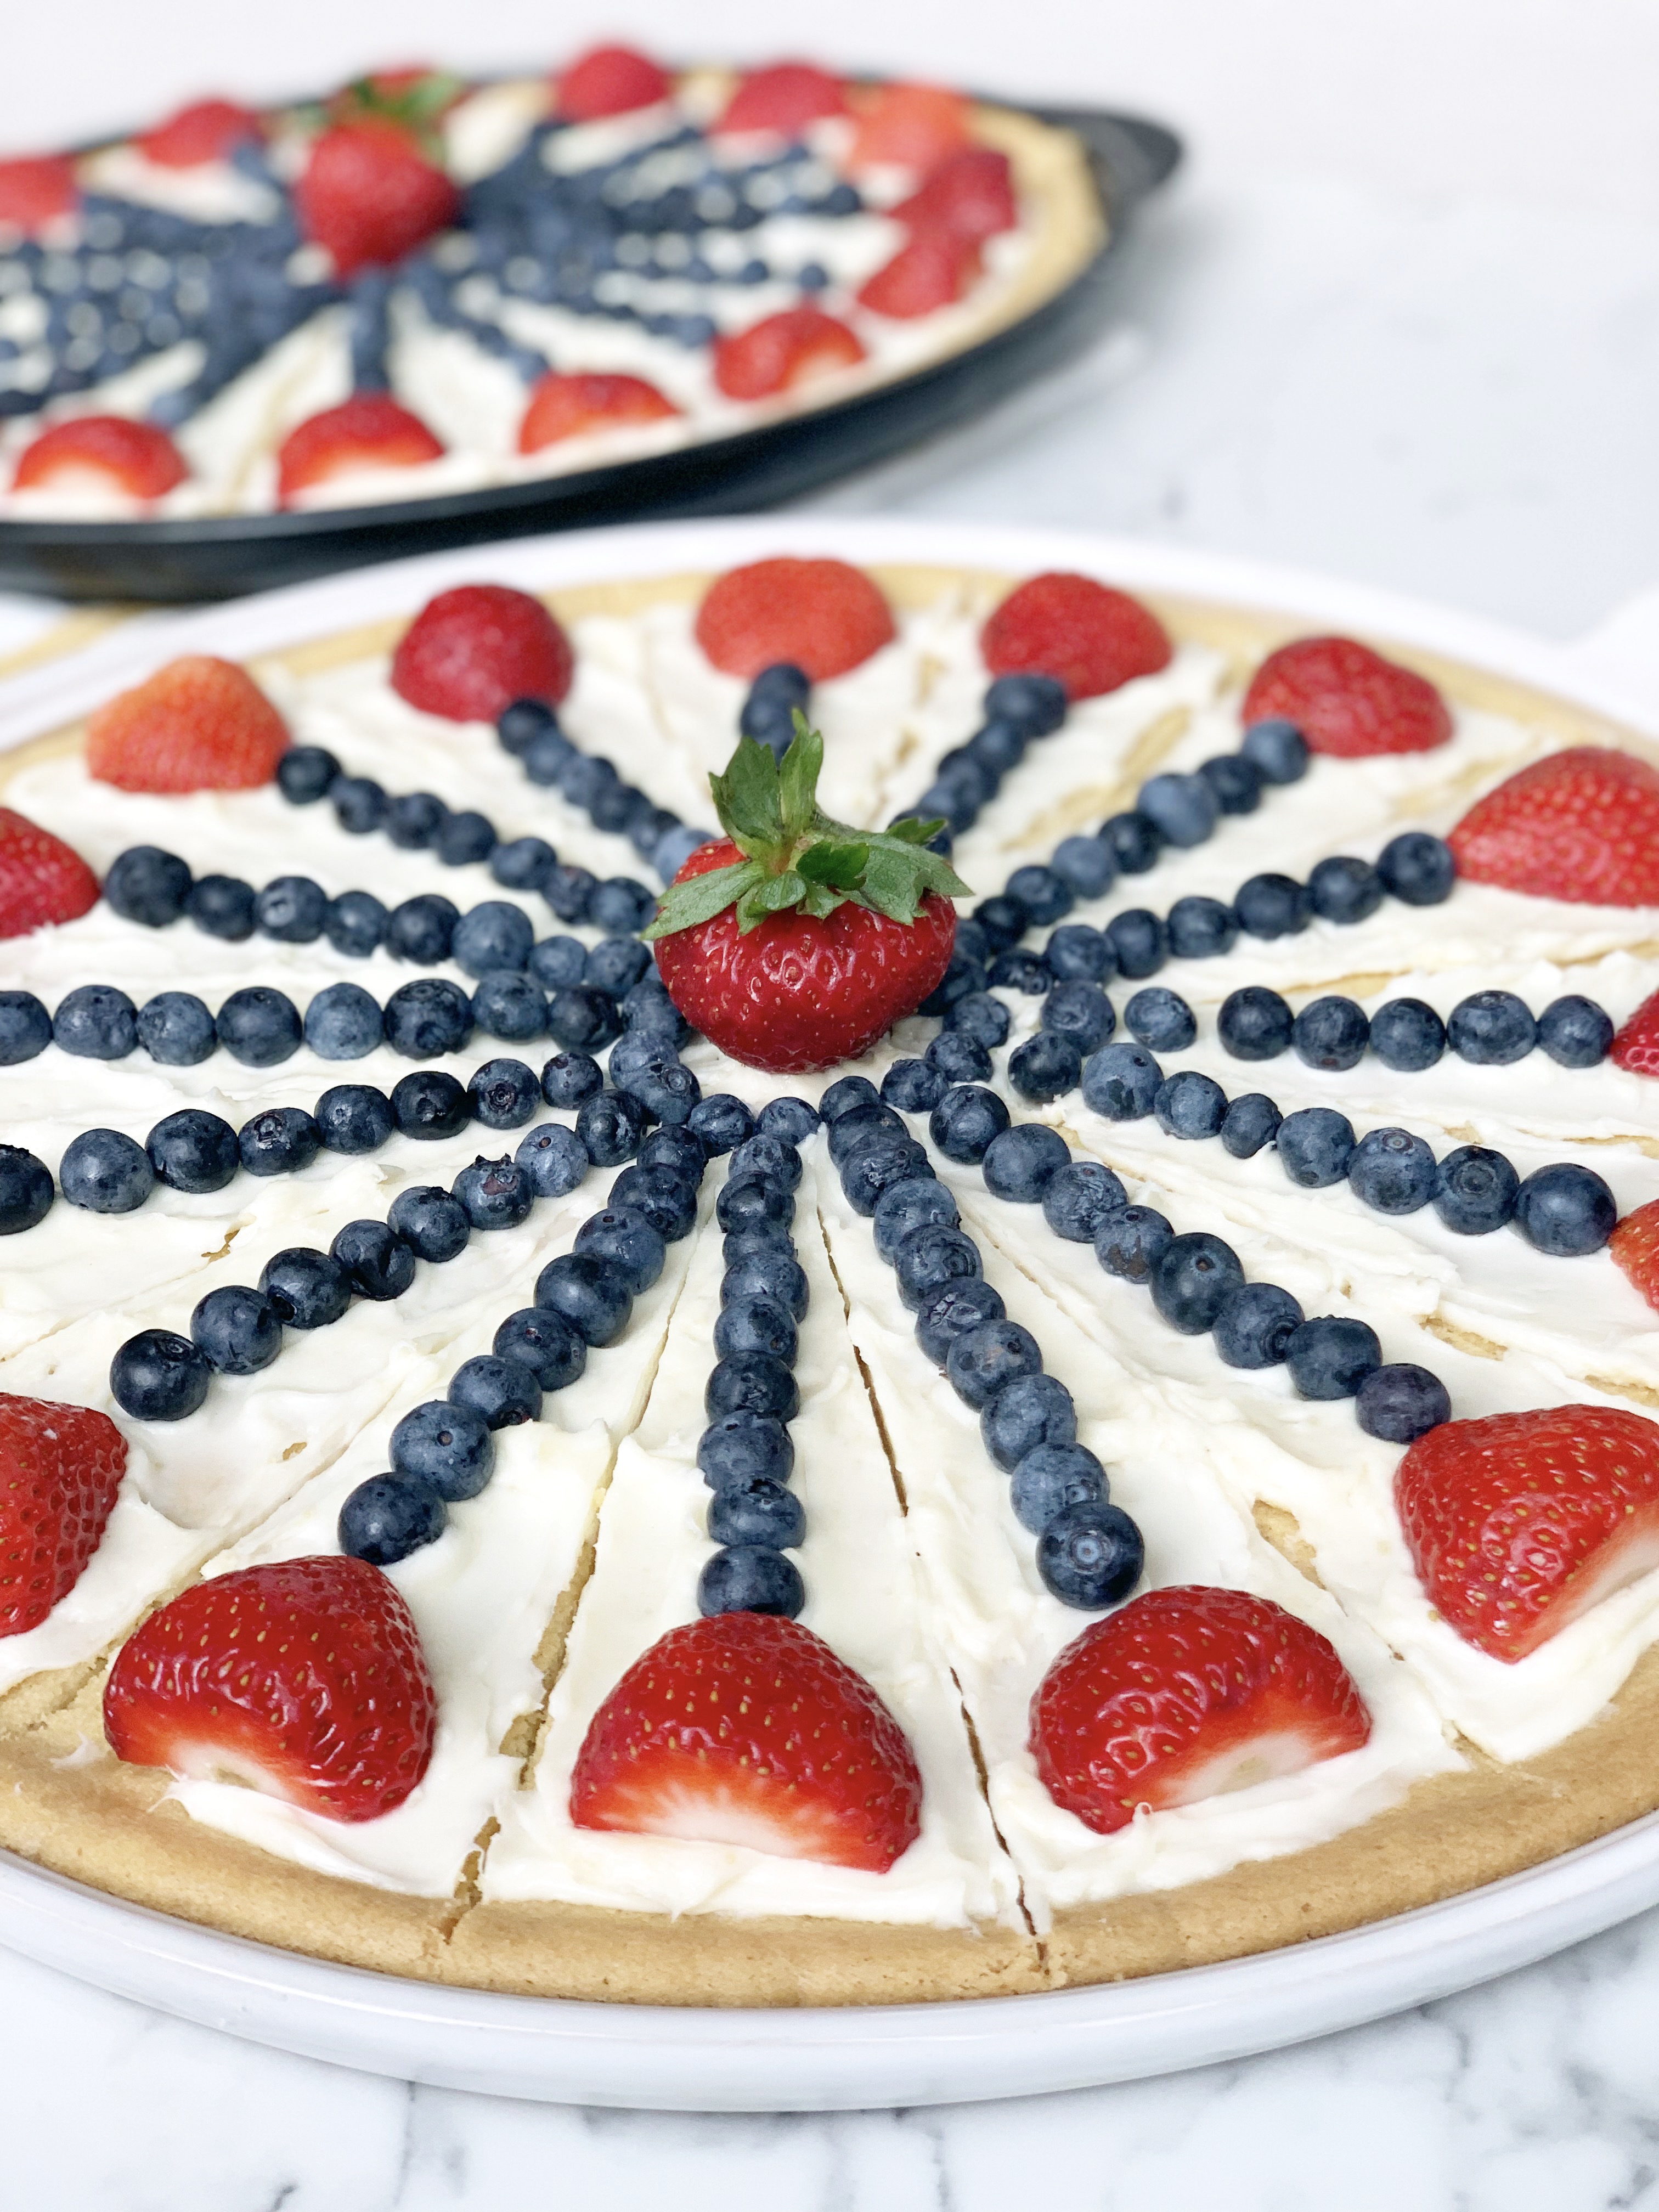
<point x="796" y="992"/>
<point x="1090" y="638"/>
<point x="204" y="131"/>
<point x="746" y="1728"/>
<point x="1637" y="1045"/>
<point x="910" y="126"/>
<point x="611" y="81"/>
<point x="60" y="1468"/>
<point x="1346" y="700"/>
<point x="110" y="451"/>
<point x="370" y="430"/>
<point x="42" y="879"/>
<point x="304" y="1679"/>
<point x="783" y="352"/>
<point x="471" y="652"/>
<point x="1634" y="1245"/>
<point x="196" y="725"/>
<point x="36" y="188"/>
<point x="370" y="196"/>
<point x="928" y="271"/>
<point x="565" y="406"/>
<point x="1520" y="1523"/>
<point x="824" y="616"/>
<point x="1581" y="825"/>
<point x="970" y="194"/>
<point x="1183" y="1693"/>
<point x="786" y="97"/>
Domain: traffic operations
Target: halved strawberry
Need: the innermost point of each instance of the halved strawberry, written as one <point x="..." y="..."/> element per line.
<point x="746" y="1728"/>
<point x="1637" y="1045"/>
<point x="199" y="724"/>
<point x="565" y="406"/>
<point x="929" y="271"/>
<point x="1581" y="825"/>
<point x="42" y="879"/>
<point x="783" y="352"/>
<point x="370" y="430"/>
<point x="1088" y="637"/>
<point x="910" y="126"/>
<point x="305" y="1680"/>
<point x="785" y="97"/>
<point x="826" y="617"/>
<point x="472" y="651"/>
<point x="970" y="194"/>
<point x="206" y="131"/>
<point x="611" y="81"/>
<point x="60" y="1468"/>
<point x="36" y="189"/>
<point x="111" y="453"/>
<point x="1521" y="1521"/>
<point x="1634" y="1245"/>
<point x="369" y="194"/>
<point x="1346" y="700"/>
<point x="1183" y="1693"/>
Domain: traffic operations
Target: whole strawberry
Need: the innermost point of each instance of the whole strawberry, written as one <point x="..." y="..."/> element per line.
<point x="42" y="879"/>
<point x="60" y="1468"/>
<point x="825" y="616"/>
<point x="1581" y="825"/>
<point x="370" y="195"/>
<point x="1088" y="636"/>
<point x="1634" y="1248"/>
<point x="796" y="941"/>
<point x="471" y="651"/>
<point x="1347" y="700"/>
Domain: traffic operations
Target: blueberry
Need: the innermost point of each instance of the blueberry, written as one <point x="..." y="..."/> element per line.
<point x="583" y="1019"/>
<point x="589" y="1293"/>
<point x="522" y="722"/>
<point x="308" y="1289"/>
<point x="503" y="1094"/>
<point x="238" y="1329"/>
<point x="569" y="891"/>
<point x="855" y="1129"/>
<point x="1036" y="704"/>
<point x="929" y="1259"/>
<point x="1085" y="865"/>
<point x="429" y="1105"/>
<point x="358" y="804"/>
<point x="1020" y="1164"/>
<point x="176" y="1029"/>
<point x="1192" y="1278"/>
<point x="446" y="1444"/>
<point x="751" y="1382"/>
<point x="1254" y="1323"/>
<point x="1417" y="868"/>
<point x="1575" y="1031"/>
<point x="675" y="849"/>
<point x="630" y="1244"/>
<point x="543" y="1342"/>
<point x="883" y="1158"/>
<point x="584" y="777"/>
<point x="147" y="885"/>
<point x="1001" y="922"/>
<point x="756" y="1325"/>
<point x="1278" y="748"/>
<point x="258" y="1026"/>
<point x="389" y="1516"/>
<point x="431" y="1223"/>
<point x="1200" y="928"/>
<point x="1250" y="1123"/>
<point x="722" y="1122"/>
<point x="964" y="978"/>
<point x="465" y="837"/>
<point x="986" y="1358"/>
<point x="158" y="1376"/>
<point x="556" y="962"/>
<point x="1475" y="1190"/>
<point x="646" y="1008"/>
<point x="1160" y="1019"/>
<point x="756" y="1511"/>
<point x="790" y="1119"/>
<point x="1401" y="1403"/>
<point x="26" y="1190"/>
<point x="552" y="1160"/>
<point x="680" y="1151"/>
<point x="354" y="1118"/>
<point x="546" y="755"/>
<point x="1331" y="1033"/>
<point x="492" y="935"/>
<point x="1051" y="1479"/>
<point x="754" y="1202"/>
<point x="610" y="1127"/>
<point x="95" y="1022"/>
<point x="773" y="693"/>
<point x="569" y="1079"/>
<point x="1090" y="1556"/>
<point x="1184" y="807"/>
<point x="1078" y="1198"/>
<point x="1080" y="1013"/>
<point x="509" y="1006"/>
<point x="503" y="1393"/>
<point x="966" y="1121"/>
<point x="959" y="1307"/>
<point x="1493" y="1029"/>
<point x="1254" y="1023"/>
<point x="1314" y="1146"/>
<point x="25" y="1027"/>
<point x="616" y="964"/>
<point x="1046" y="896"/>
<point x="344" y="1022"/>
<point x="193" y="1149"/>
<point x="666" y="1199"/>
<point x="1121" y="1081"/>
<point x="1020" y="969"/>
<point x="377" y="1261"/>
<point x="1076" y="953"/>
<point x="291" y="909"/>
<point x="1330" y="1357"/>
<point x="773" y="1272"/>
<point x="662" y="1083"/>
<point x="981" y="1017"/>
<point x="997" y="746"/>
<point x="1045" y="1066"/>
<point x="521" y="864"/>
<point x="771" y="1157"/>
<point x="620" y="904"/>
<point x="955" y="1057"/>
<point x="222" y="907"/>
<point x="422" y="928"/>
<point x="750" y="1578"/>
<point x="102" y="1171"/>
<point x="1235" y="782"/>
<point x="1189" y="1104"/>
<point x="356" y="923"/>
<point x="913" y="1204"/>
<point x="743" y="1447"/>
<point x="412" y="821"/>
<point x="1565" y="1210"/>
<point x="1030" y="1411"/>
<point x="1345" y="890"/>
<point x="1270" y="906"/>
<point x="306" y="774"/>
<point x="1393" y="1171"/>
<point x="913" y="1086"/>
<point x="495" y="1193"/>
<point x="1407" y="1034"/>
<point x="1134" y="839"/>
<point x="280" y="1141"/>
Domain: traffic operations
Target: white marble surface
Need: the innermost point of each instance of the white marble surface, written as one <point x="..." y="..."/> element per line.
<point x="1402" y="321"/>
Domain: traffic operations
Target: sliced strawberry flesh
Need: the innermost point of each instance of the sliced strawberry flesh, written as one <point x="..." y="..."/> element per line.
<point x="105" y="452"/>
<point x="971" y="194"/>
<point x="826" y="617"/>
<point x="785" y="97"/>
<point x="611" y="81"/>
<point x="566" y="406"/>
<point x="206" y="131"/>
<point x="929" y="271"/>
<point x="369" y="431"/>
<point x="910" y="126"/>
<point x="36" y="189"/>
<point x="784" y="352"/>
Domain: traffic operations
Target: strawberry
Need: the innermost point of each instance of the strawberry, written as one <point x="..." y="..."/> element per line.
<point x="36" y="189"/>
<point x="786" y="97"/>
<point x="970" y="194"/>
<point x="929" y="271"/>
<point x="304" y="1679"/>
<point x="370" y="430"/>
<point x="611" y="81"/>
<point x="1581" y="825"/>
<point x="1637" y="1045"/>
<point x="795" y="941"/>
<point x="746" y="1729"/>
<point x="110" y="451"/>
<point x="910" y="126"/>
<point x="196" y="725"/>
<point x="824" y="616"/>
<point x="60" y="1468"/>
<point x="42" y="879"/>
<point x="1521" y="1521"/>
<point x="1183" y="1693"/>
<point x="1346" y="700"/>
<point x="1634" y="1245"/>
<point x="369" y="194"/>
<point x="1090" y="638"/>
<point x="783" y="352"/>
<point x="471" y="652"/>
<point x="415" y="98"/>
<point x="565" y="406"/>
<point x="206" y="131"/>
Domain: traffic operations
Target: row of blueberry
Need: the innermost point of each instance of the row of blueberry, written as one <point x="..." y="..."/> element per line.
<point x="1490" y="1028"/>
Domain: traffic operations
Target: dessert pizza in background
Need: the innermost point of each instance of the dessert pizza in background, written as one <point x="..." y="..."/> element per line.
<point x="789" y="1429"/>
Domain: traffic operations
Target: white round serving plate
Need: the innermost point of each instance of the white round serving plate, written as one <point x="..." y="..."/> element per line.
<point x="778" y="2060"/>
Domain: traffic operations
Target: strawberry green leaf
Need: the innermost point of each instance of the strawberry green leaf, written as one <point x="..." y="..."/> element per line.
<point x="771" y="894"/>
<point x="747" y="800"/>
<point x="840" y="866"/>
<point x="700" y="898"/>
<point x="798" y="778"/>
<point x="909" y="831"/>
